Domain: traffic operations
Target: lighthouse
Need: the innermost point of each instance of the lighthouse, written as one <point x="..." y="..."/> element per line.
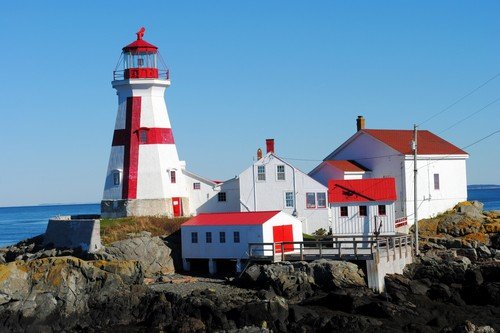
<point x="145" y="176"/>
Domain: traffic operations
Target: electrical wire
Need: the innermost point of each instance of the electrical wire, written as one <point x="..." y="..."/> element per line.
<point x="460" y="99"/>
<point x="470" y="115"/>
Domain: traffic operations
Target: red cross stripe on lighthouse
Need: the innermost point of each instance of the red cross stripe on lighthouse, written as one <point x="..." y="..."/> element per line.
<point x="131" y="138"/>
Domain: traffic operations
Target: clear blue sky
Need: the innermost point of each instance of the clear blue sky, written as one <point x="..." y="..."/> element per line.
<point x="296" y="71"/>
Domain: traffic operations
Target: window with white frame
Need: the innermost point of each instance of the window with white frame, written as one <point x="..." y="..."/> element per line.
<point x="321" y="199"/>
<point x="288" y="199"/>
<point x="261" y="172"/>
<point x="436" y="181"/>
<point x="196" y="186"/>
<point x="363" y="211"/>
<point x="381" y="210"/>
<point x="221" y="197"/>
<point x="310" y="200"/>
<point x="194" y="237"/>
<point x="280" y="172"/>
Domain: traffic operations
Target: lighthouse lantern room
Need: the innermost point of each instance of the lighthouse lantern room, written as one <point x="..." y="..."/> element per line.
<point x="145" y="176"/>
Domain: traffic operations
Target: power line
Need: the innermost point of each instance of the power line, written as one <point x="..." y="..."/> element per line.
<point x="472" y="144"/>
<point x="470" y="115"/>
<point x="460" y="99"/>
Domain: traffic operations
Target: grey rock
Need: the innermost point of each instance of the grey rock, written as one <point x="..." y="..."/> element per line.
<point x="151" y="252"/>
<point x="474" y="211"/>
<point x="483" y="251"/>
<point x="340" y="274"/>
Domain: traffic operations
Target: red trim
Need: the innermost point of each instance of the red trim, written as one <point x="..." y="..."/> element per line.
<point x="141" y="73"/>
<point x="131" y="151"/>
<point x="156" y="136"/>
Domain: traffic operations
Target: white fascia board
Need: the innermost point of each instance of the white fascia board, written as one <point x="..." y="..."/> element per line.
<point x="342" y="146"/>
<point x="197" y="177"/>
<point x="297" y="170"/>
<point x="438" y="157"/>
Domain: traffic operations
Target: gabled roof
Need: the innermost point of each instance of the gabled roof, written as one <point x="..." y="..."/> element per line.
<point x="236" y="218"/>
<point x="428" y="143"/>
<point x="347" y="165"/>
<point x="362" y="190"/>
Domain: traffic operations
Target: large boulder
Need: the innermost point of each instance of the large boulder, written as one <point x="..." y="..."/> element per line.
<point x="473" y="209"/>
<point x="459" y="225"/>
<point x="340" y="274"/>
<point x="151" y="252"/>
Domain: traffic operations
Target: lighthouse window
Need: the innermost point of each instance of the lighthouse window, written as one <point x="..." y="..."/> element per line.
<point x="172" y="177"/>
<point x="143" y="136"/>
<point x="116" y="178"/>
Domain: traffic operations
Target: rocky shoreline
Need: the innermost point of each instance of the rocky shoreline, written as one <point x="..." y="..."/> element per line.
<point x="453" y="287"/>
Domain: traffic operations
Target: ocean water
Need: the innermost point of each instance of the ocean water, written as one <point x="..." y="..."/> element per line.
<point x="18" y="223"/>
<point x="490" y="196"/>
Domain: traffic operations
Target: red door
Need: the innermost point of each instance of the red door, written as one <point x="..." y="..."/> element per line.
<point x="177" y="206"/>
<point x="283" y="233"/>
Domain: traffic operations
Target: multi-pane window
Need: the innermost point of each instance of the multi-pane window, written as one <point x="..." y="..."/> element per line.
<point x="196" y="186"/>
<point x="116" y="178"/>
<point x="343" y="211"/>
<point x="436" y="181"/>
<point x="208" y="237"/>
<point x="221" y="196"/>
<point x="289" y="199"/>
<point x="321" y="198"/>
<point x="172" y="177"/>
<point x="261" y="172"/>
<point x="310" y="200"/>
<point x="194" y="237"/>
<point x="362" y="211"/>
<point x="280" y="172"/>
<point x="236" y="236"/>
<point x="381" y="209"/>
<point x="222" y="237"/>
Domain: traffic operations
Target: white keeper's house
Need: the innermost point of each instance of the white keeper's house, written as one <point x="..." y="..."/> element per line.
<point x="271" y="183"/>
<point x="222" y="237"/>
<point x="379" y="153"/>
<point x="362" y="207"/>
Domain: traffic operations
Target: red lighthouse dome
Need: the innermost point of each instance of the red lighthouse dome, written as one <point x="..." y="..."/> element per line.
<point x="139" y="60"/>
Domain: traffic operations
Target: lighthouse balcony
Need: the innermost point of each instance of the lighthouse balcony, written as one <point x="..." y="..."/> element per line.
<point x="141" y="73"/>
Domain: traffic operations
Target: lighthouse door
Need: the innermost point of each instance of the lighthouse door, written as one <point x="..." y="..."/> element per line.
<point x="177" y="206"/>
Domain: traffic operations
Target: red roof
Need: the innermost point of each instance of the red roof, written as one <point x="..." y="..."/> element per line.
<point x="236" y="218"/>
<point x="362" y="190"/>
<point x="345" y="165"/>
<point x="428" y="143"/>
<point x="140" y="45"/>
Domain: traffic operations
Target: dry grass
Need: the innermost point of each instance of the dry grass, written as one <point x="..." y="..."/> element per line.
<point x="113" y="230"/>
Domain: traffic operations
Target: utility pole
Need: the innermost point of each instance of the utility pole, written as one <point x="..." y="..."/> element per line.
<point x="415" y="192"/>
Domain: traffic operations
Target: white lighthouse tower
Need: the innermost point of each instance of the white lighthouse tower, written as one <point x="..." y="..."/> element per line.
<point x="144" y="174"/>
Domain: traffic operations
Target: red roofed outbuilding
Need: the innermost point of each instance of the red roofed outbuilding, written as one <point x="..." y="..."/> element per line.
<point x="225" y="236"/>
<point x="362" y="206"/>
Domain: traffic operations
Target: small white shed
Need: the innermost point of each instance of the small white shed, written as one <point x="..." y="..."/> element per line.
<point x="225" y="236"/>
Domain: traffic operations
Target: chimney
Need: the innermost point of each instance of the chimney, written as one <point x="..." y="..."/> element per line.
<point x="269" y="146"/>
<point x="360" y="123"/>
<point x="259" y="154"/>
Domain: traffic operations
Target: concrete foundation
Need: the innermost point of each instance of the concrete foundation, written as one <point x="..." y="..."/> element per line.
<point x="77" y="231"/>
<point x="386" y="262"/>
<point x="141" y="207"/>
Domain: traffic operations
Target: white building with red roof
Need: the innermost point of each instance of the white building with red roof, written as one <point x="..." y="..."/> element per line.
<point x="442" y="180"/>
<point x="362" y="206"/>
<point x="222" y="237"/>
